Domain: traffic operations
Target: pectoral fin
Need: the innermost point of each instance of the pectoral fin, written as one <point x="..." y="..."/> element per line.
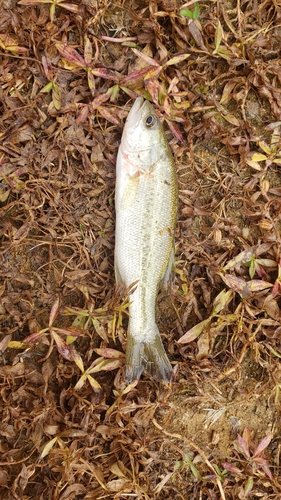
<point x="130" y="192"/>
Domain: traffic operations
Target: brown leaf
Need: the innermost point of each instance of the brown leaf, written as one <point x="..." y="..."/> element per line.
<point x="196" y="35"/>
<point x="72" y="491"/>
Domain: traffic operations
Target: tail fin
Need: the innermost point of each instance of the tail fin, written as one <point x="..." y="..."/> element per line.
<point x="147" y="355"/>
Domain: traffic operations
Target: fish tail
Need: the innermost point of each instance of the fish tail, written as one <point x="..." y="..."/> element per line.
<point x="149" y="355"/>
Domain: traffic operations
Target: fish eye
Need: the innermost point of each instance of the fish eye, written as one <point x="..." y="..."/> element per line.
<point x="150" y="121"/>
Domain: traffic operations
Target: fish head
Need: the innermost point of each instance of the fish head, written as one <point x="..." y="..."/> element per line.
<point x="143" y="139"/>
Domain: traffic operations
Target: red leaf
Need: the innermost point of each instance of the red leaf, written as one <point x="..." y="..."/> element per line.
<point x="91" y="82"/>
<point x="263" y="444"/>
<point x="175" y="130"/>
<point x="146" y="58"/>
<point x="64" y="349"/>
<point x="242" y="446"/>
<point x="88" y="51"/>
<point x="110" y="117"/>
<point x="70" y="6"/>
<point x="71" y="55"/>
<point x="35" y="336"/>
<point x="54" y="311"/>
<point x="105" y="73"/>
<point x="231" y="468"/>
<point x="72" y="331"/>
<point x="107" y="352"/>
<point x="8" y="43"/>
<point x="33" y="2"/>
<point x="134" y="77"/>
<point x="47" y="67"/>
<point x="83" y="115"/>
<point x="99" y="100"/>
<point x="154" y="88"/>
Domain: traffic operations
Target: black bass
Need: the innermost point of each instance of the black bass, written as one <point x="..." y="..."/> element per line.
<point x="146" y="203"/>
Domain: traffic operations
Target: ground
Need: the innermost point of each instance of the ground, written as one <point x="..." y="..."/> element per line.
<point x="70" y="426"/>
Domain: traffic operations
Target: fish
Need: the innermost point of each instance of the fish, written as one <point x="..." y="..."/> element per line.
<point x="146" y="204"/>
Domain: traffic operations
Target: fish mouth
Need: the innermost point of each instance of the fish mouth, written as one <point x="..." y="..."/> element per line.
<point x="134" y="118"/>
<point x="132" y="122"/>
<point x="135" y="113"/>
<point x="138" y="104"/>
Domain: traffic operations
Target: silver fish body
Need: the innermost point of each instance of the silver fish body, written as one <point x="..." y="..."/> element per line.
<point x="146" y="206"/>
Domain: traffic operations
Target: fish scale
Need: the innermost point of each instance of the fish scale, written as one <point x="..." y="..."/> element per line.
<point x="146" y="207"/>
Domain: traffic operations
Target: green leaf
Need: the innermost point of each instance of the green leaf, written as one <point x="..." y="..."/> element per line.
<point x="52" y="12"/>
<point x="257" y="157"/>
<point x="196" y="11"/>
<point x="4" y="195"/>
<point x="114" y="93"/>
<point x="16" y="344"/>
<point x="242" y="257"/>
<point x="129" y="44"/>
<point x="94" y="384"/>
<point x="91" y="81"/>
<point x="221" y="301"/>
<point x="47" y="88"/>
<point x="177" y="59"/>
<point x="275" y="353"/>
<point x="258" y="285"/>
<point x="252" y="268"/>
<point x="249" y="485"/>
<point x="231" y="119"/>
<point x="265" y="147"/>
<point x="78" y="360"/>
<point x="186" y="13"/>
<point x="129" y="387"/>
<point x="218" y="36"/>
<point x="56" y="95"/>
<point x="254" y="164"/>
<point x="80" y="382"/>
<point x="267" y="262"/>
<point x="228" y="88"/>
<point x="194" y="332"/>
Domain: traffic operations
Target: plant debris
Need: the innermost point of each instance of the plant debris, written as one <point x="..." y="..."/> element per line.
<point x="70" y="426"/>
